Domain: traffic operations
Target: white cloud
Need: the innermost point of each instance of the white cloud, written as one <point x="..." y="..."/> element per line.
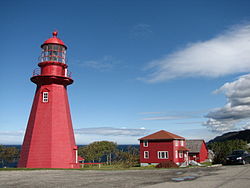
<point x="87" y="135"/>
<point x="236" y="113"/>
<point x="118" y="135"/>
<point x="172" y="115"/>
<point x="11" y="133"/>
<point x="111" y="131"/>
<point x="246" y="126"/>
<point x="146" y="113"/>
<point x="165" y="118"/>
<point x="11" y="137"/>
<point x="225" y="54"/>
<point x="102" y="64"/>
<point x="196" y="133"/>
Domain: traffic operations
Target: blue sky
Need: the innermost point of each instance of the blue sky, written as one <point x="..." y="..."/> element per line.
<point x="138" y="66"/>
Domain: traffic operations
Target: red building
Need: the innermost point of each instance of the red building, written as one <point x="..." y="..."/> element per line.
<point x="49" y="139"/>
<point x="197" y="150"/>
<point x="162" y="146"/>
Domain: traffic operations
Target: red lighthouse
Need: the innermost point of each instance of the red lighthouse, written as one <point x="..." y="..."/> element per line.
<point x="49" y="139"/>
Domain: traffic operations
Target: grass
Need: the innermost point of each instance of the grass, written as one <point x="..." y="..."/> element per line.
<point x="94" y="167"/>
<point x="207" y="164"/>
<point x="103" y="167"/>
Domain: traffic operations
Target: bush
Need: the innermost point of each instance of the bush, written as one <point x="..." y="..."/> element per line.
<point x="167" y="164"/>
<point x="222" y="149"/>
<point x="8" y="155"/>
<point x="127" y="159"/>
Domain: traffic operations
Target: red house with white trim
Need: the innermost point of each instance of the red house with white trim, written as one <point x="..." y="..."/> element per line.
<point x="197" y="150"/>
<point x="162" y="146"/>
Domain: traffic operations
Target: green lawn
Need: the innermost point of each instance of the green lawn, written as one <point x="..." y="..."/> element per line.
<point x="102" y="167"/>
<point x="86" y="167"/>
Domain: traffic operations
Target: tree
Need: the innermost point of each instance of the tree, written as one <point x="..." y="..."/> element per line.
<point x="8" y="154"/>
<point x="107" y="149"/>
<point x="127" y="158"/>
<point x="222" y="149"/>
<point x="96" y="150"/>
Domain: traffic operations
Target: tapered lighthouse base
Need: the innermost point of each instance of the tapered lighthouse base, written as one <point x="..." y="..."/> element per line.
<point x="49" y="140"/>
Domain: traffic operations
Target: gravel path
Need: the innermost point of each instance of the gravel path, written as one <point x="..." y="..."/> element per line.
<point x="105" y="179"/>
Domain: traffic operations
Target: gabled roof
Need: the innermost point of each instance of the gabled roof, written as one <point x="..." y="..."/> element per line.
<point x="80" y="158"/>
<point x="194" y="146"/>
<point x="162" y="135"/>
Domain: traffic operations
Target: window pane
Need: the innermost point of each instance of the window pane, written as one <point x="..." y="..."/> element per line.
<point x="54" y="53"/>
<point x="146" y="154"/>
<point x="55" y="47"/>
<point x="162" y="155"/>
<point x="45" y="96"/>
<point x="50" y="47"/>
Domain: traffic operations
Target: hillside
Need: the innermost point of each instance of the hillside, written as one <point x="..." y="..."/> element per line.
<point x="240" y="135"/>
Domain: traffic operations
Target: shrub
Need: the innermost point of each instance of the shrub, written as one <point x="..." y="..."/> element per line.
<point x="222" y="149"/>
<point x="167" y="164"/>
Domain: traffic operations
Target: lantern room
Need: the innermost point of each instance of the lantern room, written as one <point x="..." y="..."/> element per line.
<point x="52" y="63"/>
<point x="53" y="49"/>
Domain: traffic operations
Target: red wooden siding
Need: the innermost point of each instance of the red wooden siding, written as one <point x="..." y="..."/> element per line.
<point x="200" y="156"/>
<point x="166" y="142"/>
<point x="153" y="148"/>
<point x="203" y="155"/>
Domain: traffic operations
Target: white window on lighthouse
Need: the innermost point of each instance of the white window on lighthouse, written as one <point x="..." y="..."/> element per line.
<point x="45" y="96"/>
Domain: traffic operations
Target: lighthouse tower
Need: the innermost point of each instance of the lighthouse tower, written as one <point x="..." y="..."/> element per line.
<point x="49" y="139"/>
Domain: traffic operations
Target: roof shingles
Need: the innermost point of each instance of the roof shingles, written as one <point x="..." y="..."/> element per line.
<point x="162" y="135"/>
<point x="194" y="145"/>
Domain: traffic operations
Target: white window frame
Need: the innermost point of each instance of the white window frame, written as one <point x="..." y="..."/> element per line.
<point x="45" y="96"/>
<point x="182" y="142"/>
<point x="146" y="154"/>
<point x="176" y="142"/>
<point x="180" y="154"/>
<point x="164" y="156"/>
<point x="176" y="154"/>
<point x="145" y="143"/>
<point x="185" y="155"/>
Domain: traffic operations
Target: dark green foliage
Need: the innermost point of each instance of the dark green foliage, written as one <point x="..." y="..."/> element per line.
<point x="222" y="149"/>
<point x="129" y="158"/>
<point x="167" y="164"/>
<point x="96" y="150"/>
<point x="237" y="135"/>
<point x="8" y="155"/>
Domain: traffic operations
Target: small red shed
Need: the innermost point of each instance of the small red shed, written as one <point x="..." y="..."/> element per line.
<point x="80" y="159"/>
<point x="197" y="150"/>
<point x="162" y="146"/>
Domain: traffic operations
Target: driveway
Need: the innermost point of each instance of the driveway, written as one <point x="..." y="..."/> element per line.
<point x="226" y="176"/>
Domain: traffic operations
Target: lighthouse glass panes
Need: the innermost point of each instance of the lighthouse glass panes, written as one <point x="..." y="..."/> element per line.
<point x="53" y="52"/>
<point x="45" y="96"/>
